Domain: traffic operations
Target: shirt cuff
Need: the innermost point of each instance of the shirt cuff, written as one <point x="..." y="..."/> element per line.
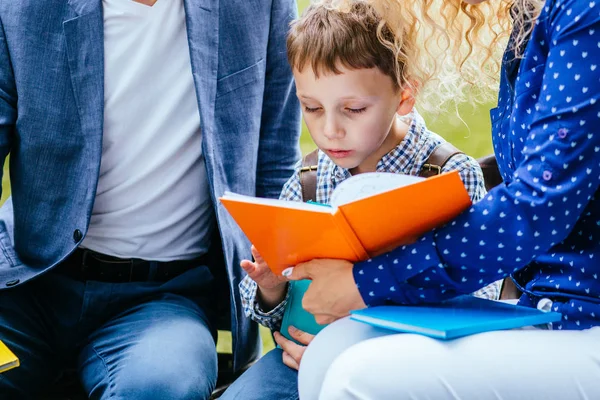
<point x="278" y="309"/>
<point x="382" y="279"/>
<point x="272" y="318"/>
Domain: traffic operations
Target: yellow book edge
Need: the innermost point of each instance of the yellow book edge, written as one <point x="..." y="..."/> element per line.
<point x="7" y="359"/>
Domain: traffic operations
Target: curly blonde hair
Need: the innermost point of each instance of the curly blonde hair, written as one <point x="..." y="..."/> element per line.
<point x="450" y="50"/>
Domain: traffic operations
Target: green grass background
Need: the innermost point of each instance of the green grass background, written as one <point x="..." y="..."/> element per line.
<point x="471" y="135"/>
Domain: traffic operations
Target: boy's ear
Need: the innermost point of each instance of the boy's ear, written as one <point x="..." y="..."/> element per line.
<point x="407" y="102"/>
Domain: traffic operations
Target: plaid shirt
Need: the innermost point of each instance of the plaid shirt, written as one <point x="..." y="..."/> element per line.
<point x="406" y="158"/>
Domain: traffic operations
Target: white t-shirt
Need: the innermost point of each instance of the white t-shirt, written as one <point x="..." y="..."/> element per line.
<point x="153" y="199"/>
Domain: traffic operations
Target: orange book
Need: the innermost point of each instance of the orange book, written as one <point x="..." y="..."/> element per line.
<point x="369" y="214"/>
<point x="7" y="359"/>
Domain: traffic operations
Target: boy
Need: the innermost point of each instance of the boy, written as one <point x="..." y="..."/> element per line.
<point x="358" y="105"/>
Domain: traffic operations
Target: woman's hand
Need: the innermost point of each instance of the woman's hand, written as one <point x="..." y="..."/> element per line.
<point x="292" y="352"/>
<point x="332" y="293"/>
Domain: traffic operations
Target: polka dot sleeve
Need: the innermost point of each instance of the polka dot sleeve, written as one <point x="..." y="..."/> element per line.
<point x="555" y="178"/>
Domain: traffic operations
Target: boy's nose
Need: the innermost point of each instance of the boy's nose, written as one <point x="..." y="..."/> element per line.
<point x="333" y="130"/>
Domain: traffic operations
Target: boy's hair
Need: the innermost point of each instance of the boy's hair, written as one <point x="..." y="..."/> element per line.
<point x="325" y="37"/>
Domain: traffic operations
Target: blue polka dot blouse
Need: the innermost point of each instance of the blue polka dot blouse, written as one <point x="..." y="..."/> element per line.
<point x="542" y="227"/>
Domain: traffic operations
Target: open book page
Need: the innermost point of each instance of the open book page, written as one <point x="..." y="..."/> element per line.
<point x="400" y="215"/>
<point x="294" y="205"/>
<point x="369" y="184"/>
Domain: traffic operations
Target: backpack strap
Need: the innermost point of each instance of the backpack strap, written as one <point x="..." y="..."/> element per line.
<point x="438" y="159"/>
<point x="491" y="173"/>
<point x="308" y="176"/>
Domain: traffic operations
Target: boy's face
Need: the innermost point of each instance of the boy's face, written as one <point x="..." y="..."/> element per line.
<point x="351" y="116"/>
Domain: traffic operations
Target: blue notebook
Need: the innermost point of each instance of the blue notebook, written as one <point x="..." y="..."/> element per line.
<point x="297" y="316"/>
<point x="461" y="316"/>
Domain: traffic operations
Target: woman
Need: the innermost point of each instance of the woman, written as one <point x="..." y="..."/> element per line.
<point x="542" y="227"/>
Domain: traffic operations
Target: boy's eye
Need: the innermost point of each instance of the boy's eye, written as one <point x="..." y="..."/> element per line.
<point x="311" y="109"/>
<point x="356" y="110"/>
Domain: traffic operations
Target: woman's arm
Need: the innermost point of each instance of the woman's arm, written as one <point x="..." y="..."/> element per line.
<point x="515" y="223"/>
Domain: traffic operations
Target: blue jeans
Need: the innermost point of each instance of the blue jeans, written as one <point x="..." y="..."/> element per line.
<point x="136" y="340"/>
<point x="268" y="379"/>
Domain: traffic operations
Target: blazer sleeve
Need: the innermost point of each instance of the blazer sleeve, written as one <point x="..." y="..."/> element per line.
<point x="8" y="100"/>
<point x="278" y="149"/>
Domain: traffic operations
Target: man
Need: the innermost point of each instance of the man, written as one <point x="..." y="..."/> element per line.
<point x="125" y="120"/>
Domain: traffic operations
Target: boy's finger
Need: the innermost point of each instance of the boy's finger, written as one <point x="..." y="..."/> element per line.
<point x="247" y="266"/>
<point x="301" y="336"/>
<point x="257" y="257"/>
<point x="292" y="349"/>
<point x="289" y="361"/>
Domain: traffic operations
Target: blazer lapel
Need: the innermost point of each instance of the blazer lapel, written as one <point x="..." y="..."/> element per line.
<point x="85" y="50"/>
<point x="202" y="21"/>
<point x="85" y="47"/>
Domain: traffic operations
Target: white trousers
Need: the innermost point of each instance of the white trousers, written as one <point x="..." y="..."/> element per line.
<point x="352" y="360"/>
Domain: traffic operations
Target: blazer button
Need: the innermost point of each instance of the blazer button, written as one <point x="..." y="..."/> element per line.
<point x="13" y="282"/>
<point x="77" y="235"/>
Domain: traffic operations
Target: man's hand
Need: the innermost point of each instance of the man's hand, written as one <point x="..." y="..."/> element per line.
<point x="271" y="287"/>
<point x="292" y="352"/>
<point x="332" y="293"/>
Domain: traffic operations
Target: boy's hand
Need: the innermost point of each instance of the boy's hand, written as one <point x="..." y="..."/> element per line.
<point x="271" y="287"/>
<point x="292" y="352"/>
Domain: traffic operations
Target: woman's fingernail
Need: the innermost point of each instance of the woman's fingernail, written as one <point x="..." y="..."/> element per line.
<point x="287" y="272"/>
<point x="292" y="329"/>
